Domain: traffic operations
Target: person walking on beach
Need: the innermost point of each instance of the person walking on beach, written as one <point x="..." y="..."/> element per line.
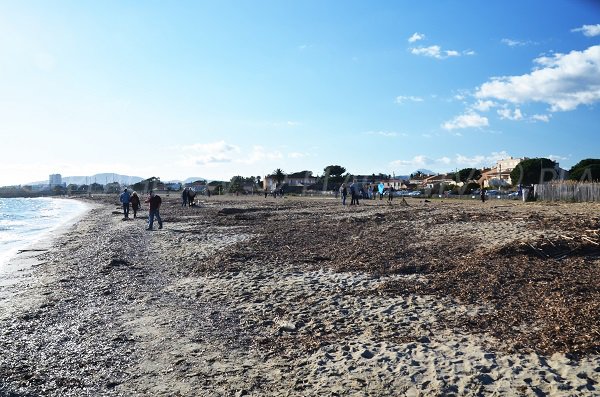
<point x="391" y="191"/>
<point x="155" y="202"/>
<point x="352" y="194"/>
<point x="344" y="193"/>
<point x="482" y="194"/>
<point x="124" y="198"/>
<point x="135" y="204"/>
<point x="184" y="197"/>
<point x="381" y="188"/>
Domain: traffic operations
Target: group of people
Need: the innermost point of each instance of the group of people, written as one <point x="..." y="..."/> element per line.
<point x="368" y="192"/>
<point x="133" y="199"/>
<point x="275" y="192"/>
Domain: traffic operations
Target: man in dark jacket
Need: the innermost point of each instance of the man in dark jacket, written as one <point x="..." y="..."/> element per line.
<point x="155" y="202"/>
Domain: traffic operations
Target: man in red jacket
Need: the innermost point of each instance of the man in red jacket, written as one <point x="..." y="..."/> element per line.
<point x="155" y="202"/>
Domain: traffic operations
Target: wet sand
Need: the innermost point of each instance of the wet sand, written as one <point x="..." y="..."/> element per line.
<point x="302" y="297"/>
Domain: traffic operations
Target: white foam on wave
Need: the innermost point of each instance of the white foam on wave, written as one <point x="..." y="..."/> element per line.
<point x="24" y="222"/>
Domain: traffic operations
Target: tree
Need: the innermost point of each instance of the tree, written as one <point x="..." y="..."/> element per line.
<point x="469" y="174"/>
<point x="112" y="187"/>
<point x="71" y="188"/>
<point x="237" y="184"/>
<point x="147" y="184"/>
<point x="96" y="188"/>
<point x="533" y="171"/>
<point x="279" y="176"/>
<point x="59" y="190"/>
<point x="334" y="174"/>
<point x="585" y="170"/>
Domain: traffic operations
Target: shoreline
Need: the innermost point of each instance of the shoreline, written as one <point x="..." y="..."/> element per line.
<point x="248" y="297"/>
<point x="22" y="258"/>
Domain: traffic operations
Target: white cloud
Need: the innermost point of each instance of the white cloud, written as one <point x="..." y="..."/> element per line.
<point x="402" y="99"/>
<point x="210" y="153"/>
<point x="564" y="82"/>
<point x="467" y="120"/>
<point x="416" y="162"/>
<point x="556" y="158"/>
<point x="416" y="37"/>
<point x="434" y="51"/>
<point x="388" y="134"/>
<point x="510" y="115"/>
<point x="297" y="155"/>
<point x="448" y="163"/>
<point x="479" y="160"/>
<point x="260" y="153"/>
<point x="589" y="30"/>
<point x="218" y="153"/>
<point x="483" y="106"/>
<point x="541" y="117"/>
<point x="516" y="43"/>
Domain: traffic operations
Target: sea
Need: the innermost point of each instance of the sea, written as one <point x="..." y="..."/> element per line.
<point x="23" y="221"/>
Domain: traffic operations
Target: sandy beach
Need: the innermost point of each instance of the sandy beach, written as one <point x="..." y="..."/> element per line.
<point x="243" y="296"/>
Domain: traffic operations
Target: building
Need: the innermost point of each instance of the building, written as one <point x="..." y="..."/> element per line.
<point x="54" y="180"/>
<point x="431" y="181"/>
<point x="301" y="179"/>
<point x="499" y="175"/>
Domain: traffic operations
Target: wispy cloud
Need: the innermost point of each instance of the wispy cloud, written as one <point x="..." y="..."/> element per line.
<point x="220" y="152"/>
<point x="403" y="99"/>
<point x="507" y="114"/>
<point x="517" y="43"/>
<point x="563" y="81"/>
<point x="260" y="153"/>
<point x="434" y="51"/>
<point x="210" y="153"/>
<point x="557" y="158"/>
<point x="416" y="37"/>
<point x="588" y="30"/>
<point x="298" y="155"/>
<point x="541" y="117"/>
<point x="467" y="120"/>
<point x="448" y="162"/>
<point x="483" y="106"/>
<point x="388" y="134"/>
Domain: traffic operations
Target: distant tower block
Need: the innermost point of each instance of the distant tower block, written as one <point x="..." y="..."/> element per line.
<point x="55" y="180"/>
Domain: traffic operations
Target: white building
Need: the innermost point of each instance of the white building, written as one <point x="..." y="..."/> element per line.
<point x="55" y="180"/>
<point x="509" y="164"/>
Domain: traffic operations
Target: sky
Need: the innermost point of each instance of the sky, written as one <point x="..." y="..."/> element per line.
<point x="214" y="89"/>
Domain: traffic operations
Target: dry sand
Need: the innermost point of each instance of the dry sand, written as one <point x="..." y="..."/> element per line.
<point x="302" y="297"/>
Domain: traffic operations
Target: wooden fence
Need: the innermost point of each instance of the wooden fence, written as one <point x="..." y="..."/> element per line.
<point x="568" y="191"/>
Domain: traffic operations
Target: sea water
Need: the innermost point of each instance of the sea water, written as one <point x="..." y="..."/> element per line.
<point x="24" y="221"/>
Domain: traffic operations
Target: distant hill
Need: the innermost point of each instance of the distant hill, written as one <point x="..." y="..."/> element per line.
<point x="102" y="179"/>
<point x="106" y="177"/>
<point x="425" y="171"/>
<point x="195" y="178"/>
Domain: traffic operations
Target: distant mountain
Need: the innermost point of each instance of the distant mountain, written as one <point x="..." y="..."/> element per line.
<point x="105" y="178"/>
<point x="194" y="179"/>
<point x="425" y="171"/>
<point x="102" y="179"/>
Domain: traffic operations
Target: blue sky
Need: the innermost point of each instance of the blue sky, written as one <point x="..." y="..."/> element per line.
<point x="223" y="88"/>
